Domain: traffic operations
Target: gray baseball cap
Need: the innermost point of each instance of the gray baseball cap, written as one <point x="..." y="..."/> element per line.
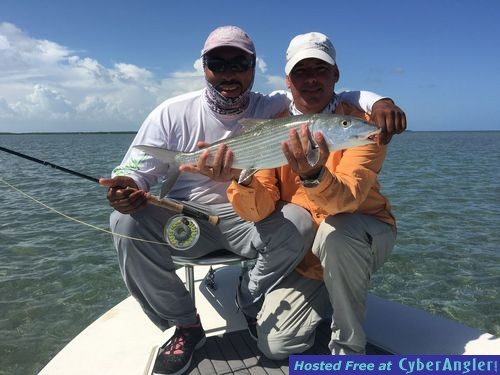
<point x="229" y="36"/>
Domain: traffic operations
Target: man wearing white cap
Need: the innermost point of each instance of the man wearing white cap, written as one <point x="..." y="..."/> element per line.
<point x="184" y="123"/>
<point x="356" y="230"/>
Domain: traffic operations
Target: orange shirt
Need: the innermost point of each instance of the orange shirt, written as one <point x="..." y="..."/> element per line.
<point x="349" y="184"/>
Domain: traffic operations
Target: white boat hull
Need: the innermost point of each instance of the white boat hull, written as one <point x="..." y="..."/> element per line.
<point x="123" y="340"/>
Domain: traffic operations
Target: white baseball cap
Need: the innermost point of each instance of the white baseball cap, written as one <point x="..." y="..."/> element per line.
<point x="307" y="46"/>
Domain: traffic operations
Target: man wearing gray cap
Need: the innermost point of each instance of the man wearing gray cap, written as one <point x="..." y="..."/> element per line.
<point x="185" y="123"/>
<point x="356" y="229"/>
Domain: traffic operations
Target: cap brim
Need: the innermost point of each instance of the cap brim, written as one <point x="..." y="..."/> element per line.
<point x="204" y="52"/>
<point x="308" y="54"/>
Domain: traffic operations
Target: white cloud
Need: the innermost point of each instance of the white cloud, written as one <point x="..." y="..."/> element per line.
<point x="44" y="82"/>
<point x="5" y="111"/>
<point x="131" y="72"/>
<point x="41" y="80"/>
<point x="275" y="82"/>
<point x="261" y="65"/>
<point x="20" y="52"/>
<point x="44" y="101"/>
<point x="198" y="66"/>
<point x="4" y="43"/>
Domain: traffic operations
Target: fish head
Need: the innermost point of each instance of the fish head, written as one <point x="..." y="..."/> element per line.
<point x="341" y="132"/>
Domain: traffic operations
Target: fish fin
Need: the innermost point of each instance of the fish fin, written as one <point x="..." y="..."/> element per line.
<point x="166" y="156"/>
<point x="247" y="124"/>
<point x="246" y="174"/>
<point x="313" y="155"/>
<point x="169" y="181"/>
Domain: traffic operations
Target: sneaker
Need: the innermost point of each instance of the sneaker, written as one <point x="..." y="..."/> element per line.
<point x="176" y="354"/>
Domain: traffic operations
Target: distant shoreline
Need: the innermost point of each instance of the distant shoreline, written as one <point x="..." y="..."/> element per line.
<point x="135" y="132"/>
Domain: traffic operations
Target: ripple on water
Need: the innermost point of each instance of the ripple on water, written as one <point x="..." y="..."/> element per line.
<point x="57" y="276"/>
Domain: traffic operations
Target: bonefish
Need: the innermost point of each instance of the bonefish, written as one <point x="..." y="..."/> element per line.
<point x="259" y="145"/>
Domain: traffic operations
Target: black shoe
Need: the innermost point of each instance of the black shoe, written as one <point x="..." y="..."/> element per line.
<point x="176" y="354"/>
<point x="252" y="326"/>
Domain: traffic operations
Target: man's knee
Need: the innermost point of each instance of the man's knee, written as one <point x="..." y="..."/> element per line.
<point x="337" y="235"/>
<point x="276" y="353"/>
<point x="299" y="225"/>
<point x="126" y="230"/>
<point x="138" y="225"/>
<point x="116" y="220"/>
<point x="279" y="346"/>
<point x="121" y="226"/>
<point x="123" y="223"/>
<point x="300" y="217"/>
<point x="273" y="346"/>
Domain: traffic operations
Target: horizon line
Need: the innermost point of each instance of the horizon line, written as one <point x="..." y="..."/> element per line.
<point x="135" y="132"/>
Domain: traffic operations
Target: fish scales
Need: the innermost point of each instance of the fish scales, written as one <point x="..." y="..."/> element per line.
<point x="259" y="145"/>
<point x="256" y="147"/>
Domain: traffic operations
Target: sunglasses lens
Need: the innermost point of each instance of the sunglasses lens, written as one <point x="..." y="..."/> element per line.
<point x="237" y="65"/>
<point x="217" y="66"/>
<point x="240" y="65"/>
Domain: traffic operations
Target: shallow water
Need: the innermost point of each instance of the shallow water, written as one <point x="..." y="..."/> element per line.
<point x="57" y="276"/>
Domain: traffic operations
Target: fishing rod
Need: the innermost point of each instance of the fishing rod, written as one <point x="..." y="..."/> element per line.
<point x="181" y="231"/>
<point x="43" y="162"/>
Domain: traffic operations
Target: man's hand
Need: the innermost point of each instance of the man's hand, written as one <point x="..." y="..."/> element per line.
<point x="220" y="170"/>
<point x="296" y="150"/>
<point x="388" y="117"/>
<point x="123" y="194"/>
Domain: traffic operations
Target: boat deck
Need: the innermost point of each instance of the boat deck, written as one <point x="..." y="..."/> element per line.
<point x="234" y="352"/>
<point x="237" y="353"/>
<point x="124" y="341"/>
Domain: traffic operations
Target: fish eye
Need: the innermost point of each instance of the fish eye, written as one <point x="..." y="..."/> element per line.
<point x="345" y="123"/>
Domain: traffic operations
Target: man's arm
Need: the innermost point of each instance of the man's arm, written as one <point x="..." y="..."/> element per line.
<point x="257" y="200"/>
<point x="384" y="112"/>
<point x="348" y="187"/>
<point x="390" y="118"/>
<point x="363" y="100"/>
<point x="334" y="188"/>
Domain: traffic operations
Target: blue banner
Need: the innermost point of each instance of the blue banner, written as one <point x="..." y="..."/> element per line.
<point x="394" y="364"/>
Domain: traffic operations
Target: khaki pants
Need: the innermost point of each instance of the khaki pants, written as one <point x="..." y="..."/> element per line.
<point x="350" y="247"/>
<point x="279" y="242"/>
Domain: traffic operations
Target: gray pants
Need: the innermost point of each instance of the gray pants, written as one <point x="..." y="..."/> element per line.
<point x="350" y="247"/>
<point x="279" y="242"/>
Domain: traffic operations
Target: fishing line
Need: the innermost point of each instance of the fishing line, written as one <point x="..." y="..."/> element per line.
<point x="169" y="204"/>
<point x="78" y="220"/>
<point x="181" y="232"/>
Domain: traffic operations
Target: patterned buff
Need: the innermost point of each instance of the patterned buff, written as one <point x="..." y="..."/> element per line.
<point x="330" y="108"/>
<point x="227" y="106"/>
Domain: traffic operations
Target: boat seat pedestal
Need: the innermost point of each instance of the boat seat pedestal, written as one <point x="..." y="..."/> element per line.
<point x="216" y="257"/>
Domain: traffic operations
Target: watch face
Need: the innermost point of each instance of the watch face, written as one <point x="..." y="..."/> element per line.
<point x="314" y="182"/>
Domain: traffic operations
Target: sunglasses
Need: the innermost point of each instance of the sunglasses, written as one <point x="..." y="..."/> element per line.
<point x="237" y="65"/>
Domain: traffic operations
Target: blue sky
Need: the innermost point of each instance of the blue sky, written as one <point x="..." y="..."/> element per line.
<point x="104" y="65"/>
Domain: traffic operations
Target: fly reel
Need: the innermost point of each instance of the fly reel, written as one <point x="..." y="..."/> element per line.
<point x="181" y="232"/>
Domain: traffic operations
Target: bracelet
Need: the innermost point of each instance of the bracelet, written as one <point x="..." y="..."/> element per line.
<point x="314" y="181"/>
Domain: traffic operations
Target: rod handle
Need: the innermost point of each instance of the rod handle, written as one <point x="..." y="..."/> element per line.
<point x="180" y="208"/>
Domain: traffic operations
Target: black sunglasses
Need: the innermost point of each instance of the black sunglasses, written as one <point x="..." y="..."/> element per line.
<point x="237" y="65"/>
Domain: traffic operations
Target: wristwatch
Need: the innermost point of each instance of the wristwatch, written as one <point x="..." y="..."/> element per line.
<point x="309" y="183"/>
